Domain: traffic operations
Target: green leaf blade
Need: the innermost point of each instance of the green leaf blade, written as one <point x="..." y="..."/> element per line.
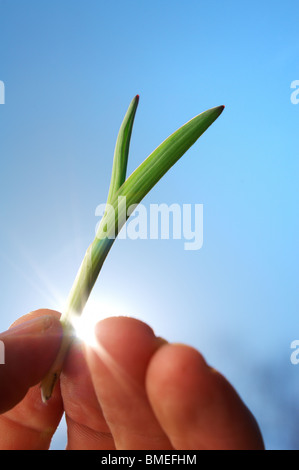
<point x="121" y="152"/>
<point x="145" y="177"/>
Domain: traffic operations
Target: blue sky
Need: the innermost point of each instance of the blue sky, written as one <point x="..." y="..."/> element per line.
<point x="70" y="70"/>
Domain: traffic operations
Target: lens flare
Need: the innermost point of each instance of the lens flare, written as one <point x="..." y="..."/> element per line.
<point x="94" y="312"/>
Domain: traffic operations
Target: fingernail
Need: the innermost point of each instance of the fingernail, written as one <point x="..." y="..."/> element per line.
<point x="35" y="326"/>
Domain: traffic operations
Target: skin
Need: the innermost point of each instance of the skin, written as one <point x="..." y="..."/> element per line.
<point x="133" y="391"/>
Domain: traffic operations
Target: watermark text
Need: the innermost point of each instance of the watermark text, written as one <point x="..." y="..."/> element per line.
<point x="159" y="221"/>
<point x="295" y="94"/>
<point x="2" y="92"/>
<point x="295" y="354"/>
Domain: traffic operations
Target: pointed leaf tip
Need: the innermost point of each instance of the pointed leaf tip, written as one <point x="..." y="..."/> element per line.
<point x="121" y="151"/>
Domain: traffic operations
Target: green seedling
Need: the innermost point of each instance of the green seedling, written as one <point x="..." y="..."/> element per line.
<point x="130" y="191"/>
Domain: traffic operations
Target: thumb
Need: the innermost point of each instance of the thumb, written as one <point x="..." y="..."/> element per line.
<point x="26" y="353"/>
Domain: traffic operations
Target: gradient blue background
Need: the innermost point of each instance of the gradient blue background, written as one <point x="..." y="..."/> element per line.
<point x="70" y="69"/>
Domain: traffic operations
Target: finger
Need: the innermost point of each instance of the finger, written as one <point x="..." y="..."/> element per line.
<point x="29" y="349"/>
<point x="118" y="368"/>
<point x="87" y="428"/>
<point x="195" y="405"/>
<point x="31" y="345"/>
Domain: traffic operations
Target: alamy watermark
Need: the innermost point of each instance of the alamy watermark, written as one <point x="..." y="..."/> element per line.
<point x="295" y="94"/>
<point x="159" y="221"/>
<point x="2" y="92"/>
<point x="295" y="354"/>
<point x="2" y="353"/>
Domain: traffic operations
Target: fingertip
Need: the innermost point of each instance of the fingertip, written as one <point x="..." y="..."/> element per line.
<point x="128" y="340"/>
<point x="196" y="406"/>
<point x="35" y="314"/>
<point x="173" y="363"/>
<point x="123" y="347"/>
<point x="121" y="326"/>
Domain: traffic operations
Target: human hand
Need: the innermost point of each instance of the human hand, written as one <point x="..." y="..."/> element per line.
<point x="133" y="391"/>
